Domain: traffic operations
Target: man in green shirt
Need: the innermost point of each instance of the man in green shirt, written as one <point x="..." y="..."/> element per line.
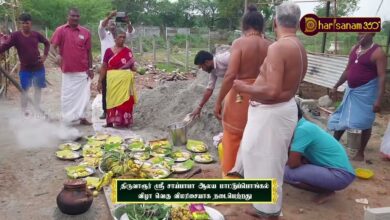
<point x="317" y="161"/>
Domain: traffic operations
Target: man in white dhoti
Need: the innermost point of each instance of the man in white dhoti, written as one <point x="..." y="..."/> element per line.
<point x="272" y="114"/>
<point x="75" y="58"/>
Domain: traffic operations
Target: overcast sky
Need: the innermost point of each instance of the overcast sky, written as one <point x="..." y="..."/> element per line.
<point x="367" y="8"/>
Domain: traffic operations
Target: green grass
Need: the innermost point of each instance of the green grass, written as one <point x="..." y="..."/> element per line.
<point x="169" y="67"/>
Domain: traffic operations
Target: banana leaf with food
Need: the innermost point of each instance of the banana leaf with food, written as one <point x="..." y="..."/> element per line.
<point x="196" y="146"/>
<point x="143" y="212"/>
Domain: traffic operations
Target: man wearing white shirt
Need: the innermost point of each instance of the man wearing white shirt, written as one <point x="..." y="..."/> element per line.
<point x="106" y="31"/>
<point x="216" y="66"/>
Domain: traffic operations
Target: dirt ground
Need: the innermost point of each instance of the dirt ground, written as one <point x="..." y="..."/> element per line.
<point x="31" y="177"/>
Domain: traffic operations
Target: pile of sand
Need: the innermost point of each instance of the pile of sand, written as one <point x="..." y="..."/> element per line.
<point x="170" y="102"/>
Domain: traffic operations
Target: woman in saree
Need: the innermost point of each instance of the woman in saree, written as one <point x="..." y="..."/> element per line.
<point x="119" y="67"/>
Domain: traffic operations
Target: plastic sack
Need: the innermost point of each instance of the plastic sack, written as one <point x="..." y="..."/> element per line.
<point x="385" y="146"/>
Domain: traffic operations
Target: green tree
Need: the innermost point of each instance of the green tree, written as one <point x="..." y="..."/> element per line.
<point x="230" y="12"/>
<point x="344" y="8"/>
<point x="53" y="13"/>
<point x="386" y="27"/>
<point x="207" y="10"/>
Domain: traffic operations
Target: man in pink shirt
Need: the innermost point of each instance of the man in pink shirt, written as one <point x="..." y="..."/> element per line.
<point x="72" y="43"/>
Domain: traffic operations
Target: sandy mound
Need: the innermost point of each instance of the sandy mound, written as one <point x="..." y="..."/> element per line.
<point x="171" y="101"/>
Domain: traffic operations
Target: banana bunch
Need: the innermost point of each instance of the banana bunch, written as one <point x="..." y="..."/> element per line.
<point x="136" y="171"/>
<point x="105" y="180"/>
<point x="119" y="168"/>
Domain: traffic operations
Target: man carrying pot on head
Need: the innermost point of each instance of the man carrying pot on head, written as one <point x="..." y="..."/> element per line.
<point x="365" y="74"/>
<point x="106" y="30"/>
<point x="216" y="66"/>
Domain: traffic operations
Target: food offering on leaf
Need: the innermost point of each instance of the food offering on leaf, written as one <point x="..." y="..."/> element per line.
<point x="204" y="158"/>
<point x="70" y="146"/>
<point x="180" y="156"/>
<point x="137" y="146"/>
<point x="91" y="161"/>
<point x="180" y="212"/>
<point x="161" y="152"/>
<point x="94" y="143"/>
<point x="142" y="212"/>
<point x="98" y="137"/>
<point x="183" y="167"/>
<point x="196" y="146"/>
<point x="141" y="156"/>
<point x="113" y="147"/>
<point x="79" y="171"/>
<point x="198" y="211"/>
<point x="67" y="155"/>
<point x="158" y="172"/>
<point x="89" y="151"/>
<point x="162" y="143"/>
<point x="164" y="161"/>
<point x="114" y="140"/>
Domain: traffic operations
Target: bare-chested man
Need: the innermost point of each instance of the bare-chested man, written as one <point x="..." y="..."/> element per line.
<point x="272" y="115"/>
<point x="247" y="55"/>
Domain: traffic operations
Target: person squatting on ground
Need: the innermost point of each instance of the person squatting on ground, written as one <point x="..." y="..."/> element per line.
<point x="317" y="161"/>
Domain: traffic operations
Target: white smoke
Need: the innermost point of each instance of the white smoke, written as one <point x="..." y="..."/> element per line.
<point x="36" y="132"/>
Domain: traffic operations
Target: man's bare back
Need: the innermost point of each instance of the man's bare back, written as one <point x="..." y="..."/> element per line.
<point x="284" y="68"/>
<point x="247" y="55"/>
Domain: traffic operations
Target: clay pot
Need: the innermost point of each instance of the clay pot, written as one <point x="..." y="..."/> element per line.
<point x="75" y="198"/>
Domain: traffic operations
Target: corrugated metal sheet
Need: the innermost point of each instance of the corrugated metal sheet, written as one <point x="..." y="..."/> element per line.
<point x="325" y="70"/>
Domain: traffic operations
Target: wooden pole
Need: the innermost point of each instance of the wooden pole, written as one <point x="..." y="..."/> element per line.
<point x="388" y="43"/>
<point x="209" y="40"/>
<point x="335" y="34"/>
<point x="168" y="45"/>
<point x="324" y="34"/>
<point x="140" y="46"/>
<point x="168" y="51"/>
<point x="154" y="50"/>
<point x="187" y="48"/>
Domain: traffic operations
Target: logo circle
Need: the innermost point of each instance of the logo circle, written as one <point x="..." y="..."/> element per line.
<point x="309" y="24"/>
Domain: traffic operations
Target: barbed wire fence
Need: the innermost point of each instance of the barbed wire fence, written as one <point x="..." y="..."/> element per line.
<point x="175" y="46"/>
